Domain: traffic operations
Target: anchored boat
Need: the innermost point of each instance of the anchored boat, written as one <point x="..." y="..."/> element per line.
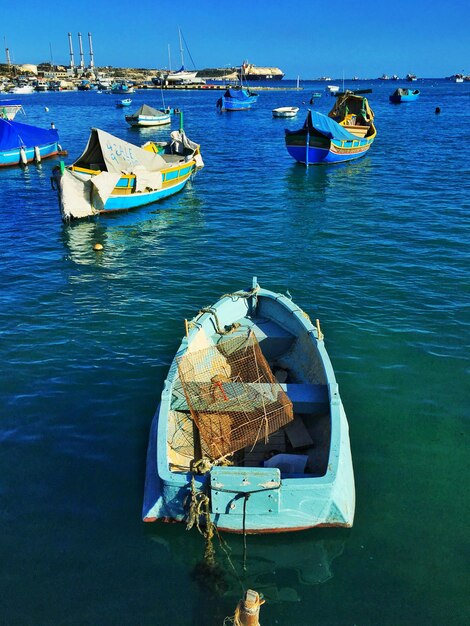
<point x="126" y="102"/>
<point x="346" y="133"/>
<point x="250" y="425"/>
<point x="9" y="108"/>
<point x="237" y="99"/>
<point x="404" y="95"/>
<point x="113" y="175"/>
<point x="148" y="116"/>
<point x="23" y="143"/>
<point x="285" y="111"/>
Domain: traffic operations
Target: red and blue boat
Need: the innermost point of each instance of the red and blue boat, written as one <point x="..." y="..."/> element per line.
<point x="346" y="133"/>
<point x="22" y="143"/>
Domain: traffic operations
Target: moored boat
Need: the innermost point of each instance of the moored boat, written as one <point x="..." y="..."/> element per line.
<point x="122" y="88"/>
<point x="250" y="418"/>
<point x="237" y="99"/>
<point x="126" y="102"/>
<point x="404" y="95"/>
<point x="23" y="143"/>
<point x="285" y="111"/>
<point x="148" y="116"/>
<point x="332" y="89"/>
<point x="9" y="108"/>
<point x="113" y="175"/>
<point x="346" y="133"/>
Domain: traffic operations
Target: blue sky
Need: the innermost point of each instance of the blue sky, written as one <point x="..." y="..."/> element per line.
<point x="310" y="38"/>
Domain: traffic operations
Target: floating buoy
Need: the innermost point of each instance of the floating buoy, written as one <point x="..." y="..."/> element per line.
<point x="37" y="154"/>
<point x="247" y="611"/>
<point x="438" y="110"/>
<point x="46" y="109"/>
<point x="23" y="157"/>
<point x="97" y="247"/>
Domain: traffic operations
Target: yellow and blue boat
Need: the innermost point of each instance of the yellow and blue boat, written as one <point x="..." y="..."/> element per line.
<point x="346" y="133"/>
<point x="113" y="175"/>
<point x="250" y="427"/>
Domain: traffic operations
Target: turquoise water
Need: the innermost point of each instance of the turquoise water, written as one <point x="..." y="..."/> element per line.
<point x="377" y="249"/>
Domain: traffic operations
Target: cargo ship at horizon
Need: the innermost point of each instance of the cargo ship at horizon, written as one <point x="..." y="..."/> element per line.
<point x="249" y="71"/>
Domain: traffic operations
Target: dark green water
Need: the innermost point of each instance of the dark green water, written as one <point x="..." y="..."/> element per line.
<point x="377" y="249"/>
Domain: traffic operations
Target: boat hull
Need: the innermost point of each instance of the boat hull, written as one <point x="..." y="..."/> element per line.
<point x="147" y="121"/>
<point x="13" y="157"/>
<point x="230" y="104"/>
<point x="330" y="152"/>
<point x="276" y="502"/>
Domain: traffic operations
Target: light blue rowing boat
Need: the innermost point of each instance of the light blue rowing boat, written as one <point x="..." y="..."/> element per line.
<point x="251" y="422"/>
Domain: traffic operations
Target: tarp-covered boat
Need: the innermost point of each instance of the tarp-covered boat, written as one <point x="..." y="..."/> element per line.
<point x="404" y="95"/>
<point x="148" y="116"/>
<point x="23" y="143"/>
<point x="251" y="420"/>
<point x="114" y="175"/>
<point x="346" y="133"/>
<point x="237" y="99"/>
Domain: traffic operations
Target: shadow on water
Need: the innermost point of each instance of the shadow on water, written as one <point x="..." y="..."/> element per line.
<point x="278" y="566"/>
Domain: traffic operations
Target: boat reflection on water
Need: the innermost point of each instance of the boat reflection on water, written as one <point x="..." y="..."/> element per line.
<point x="278" y="566"/>
<point x="119" y="233"/>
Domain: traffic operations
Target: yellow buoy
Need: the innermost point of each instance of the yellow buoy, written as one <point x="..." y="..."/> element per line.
<point x="97" y="247"/>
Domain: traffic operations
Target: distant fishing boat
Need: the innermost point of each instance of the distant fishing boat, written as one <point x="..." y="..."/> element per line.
<point x="23" y="143"/>
<point x="346" y="133"/>
<point x="285" y="111"/>
<point x="9" y="109"/>
<point x="148" y="116"/>
<point x="251" y="419"/>
<point x="122" y="88"/>
<point x="332" y="89"/>
<point x="113" y="175"/>
<point x="404" y="95"/>
<point x="411" y="77"/>
<point x="124" y="103"/>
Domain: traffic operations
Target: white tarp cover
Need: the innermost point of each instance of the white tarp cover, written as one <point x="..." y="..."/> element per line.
<point x="147" y="181"/>
<point x="104" y="151"/>
<point x="103" y="185"/>
<point x="75" y="196"/>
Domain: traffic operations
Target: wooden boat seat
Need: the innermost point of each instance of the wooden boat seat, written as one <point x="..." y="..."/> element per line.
<point x="273" y="339"/>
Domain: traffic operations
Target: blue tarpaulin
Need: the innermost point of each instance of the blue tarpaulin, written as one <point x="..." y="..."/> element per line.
<point x="327" y="127"/>
<point x="16" y="135"/>
<point x="238" y="94"/>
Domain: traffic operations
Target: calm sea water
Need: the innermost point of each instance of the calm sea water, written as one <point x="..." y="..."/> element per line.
<point x="377" y="249"/>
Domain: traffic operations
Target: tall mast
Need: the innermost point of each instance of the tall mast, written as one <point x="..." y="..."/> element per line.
<point x="181" y="48"/>
<point x="169" y="58"/>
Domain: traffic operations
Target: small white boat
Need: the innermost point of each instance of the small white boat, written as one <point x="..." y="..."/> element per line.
<point x="332" y="89"/>
<point x="285" y="111"/>
<point x="148" y="116"/>
<point x="22" y="89"/>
